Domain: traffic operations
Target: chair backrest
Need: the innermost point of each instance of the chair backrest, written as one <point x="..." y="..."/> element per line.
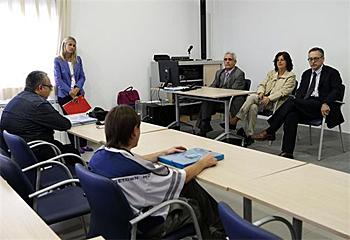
<point x="21" y="153"/>
<point x="3" y="147"/>
<point x="14" y="176"/>
<point x="295" y="87"/>
<point x="248" y="82"/>
<point x="110" y="210"/>
<point x="342" y="92"/>
<point x="238" y="228"/>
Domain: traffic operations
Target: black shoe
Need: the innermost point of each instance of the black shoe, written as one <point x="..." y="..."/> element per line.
<point x="241" y="132"/>
<point x="231" y="126"/>
<point x="202" y="133"/>
<point x="286" y="155"/>
<point x="206" y="127"/>
<point x="248" y="141"/>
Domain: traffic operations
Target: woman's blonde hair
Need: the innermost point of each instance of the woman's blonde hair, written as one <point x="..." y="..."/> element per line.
<point x="63" y="52"/>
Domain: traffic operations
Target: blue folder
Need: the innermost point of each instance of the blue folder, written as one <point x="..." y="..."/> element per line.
<point x="181" y="160"/>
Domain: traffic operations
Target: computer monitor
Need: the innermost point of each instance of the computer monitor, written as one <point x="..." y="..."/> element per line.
<point x="168" y="73"/>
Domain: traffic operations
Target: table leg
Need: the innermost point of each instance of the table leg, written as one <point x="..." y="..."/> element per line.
<point x="247" y="209"/>
<point x="298" y="227"/>
<point x="76" y="142"/>
<point x="227" y="117"/>
<point x="226" y="133"/>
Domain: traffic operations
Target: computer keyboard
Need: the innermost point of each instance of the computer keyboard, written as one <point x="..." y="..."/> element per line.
<point x="178" y="88"/>
<point x="190" y="88"/>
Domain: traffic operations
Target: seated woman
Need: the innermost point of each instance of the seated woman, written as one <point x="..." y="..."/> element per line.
<point x="146" y="183"/>
<point x="270" y="95"/>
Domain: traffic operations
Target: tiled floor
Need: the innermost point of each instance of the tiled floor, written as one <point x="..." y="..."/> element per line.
<point x="333" y="157"/>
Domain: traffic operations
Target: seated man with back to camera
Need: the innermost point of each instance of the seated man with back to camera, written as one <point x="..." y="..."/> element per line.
<point x="270" y="95"/>
<point x="231" y="77"/>
<point x="30" y="116"/>
<point x="319" y="88"/>
<point x="115" y="160"/>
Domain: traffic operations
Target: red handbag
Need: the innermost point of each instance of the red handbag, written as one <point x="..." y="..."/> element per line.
<point x="128" y="97"/>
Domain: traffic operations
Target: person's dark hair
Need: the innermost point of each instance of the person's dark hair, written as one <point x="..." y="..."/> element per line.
<point x="34" y="79"/>
<point x="317" y="49"/>
<point x="287" y="58"/>
<point x="119" y="125"/>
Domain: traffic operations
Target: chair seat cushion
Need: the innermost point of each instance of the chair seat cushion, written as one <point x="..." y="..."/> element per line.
<point x="63" y="204"/>
<point x="313" y="122"/>
<point x="266" y="113"/>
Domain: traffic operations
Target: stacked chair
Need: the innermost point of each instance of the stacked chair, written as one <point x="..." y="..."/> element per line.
<point x="40" y="174"/>
<point x="61" y="201"/>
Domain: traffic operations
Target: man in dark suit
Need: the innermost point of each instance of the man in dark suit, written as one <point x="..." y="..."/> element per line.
<point x="319" y="88"/>
<point x="30" y="116"/>
<point x="230" y="77"/>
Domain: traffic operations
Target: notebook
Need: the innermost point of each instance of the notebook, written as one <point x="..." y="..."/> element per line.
<point x="78" y="105"/>
<point x="184" y="159"/>
<point x="80" y="118"/>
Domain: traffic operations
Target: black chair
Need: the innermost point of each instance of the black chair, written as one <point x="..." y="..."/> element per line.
<point x="322" y="122"/>
<point x="248" y="82"/>
<point x="4" y="150"/>
<point x="37" y="174"/>
<point x="62" y="201"/>
<point x="111" y="215"/>
<point x="238" y="228"/>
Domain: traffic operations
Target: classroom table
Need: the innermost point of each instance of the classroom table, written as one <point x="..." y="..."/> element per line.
<point x="317" y="195"/>
<point x="239" y="164"/>
<point x="211" y="94"/>
<point x="310" y="193"/>
<point x="18" y="220"/>
<point x="96" y="134"/>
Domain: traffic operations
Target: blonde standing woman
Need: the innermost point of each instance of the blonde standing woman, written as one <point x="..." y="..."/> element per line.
<point x="70" y="78"/>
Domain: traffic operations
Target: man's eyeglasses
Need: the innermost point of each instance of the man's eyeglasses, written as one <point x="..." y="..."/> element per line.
<point x="46" y="85"/>
<point x="315" y="59"/>
<point x="228" y="59"/>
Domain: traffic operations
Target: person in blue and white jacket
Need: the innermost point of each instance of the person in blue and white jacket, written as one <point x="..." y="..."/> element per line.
<point x="146" y="183"/>
<point x="69" y="78"/>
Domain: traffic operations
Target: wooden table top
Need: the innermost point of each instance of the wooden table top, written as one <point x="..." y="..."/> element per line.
<point x="211" y="92"/>
<point x="311" y="193"/>
<point x="239" y="164"/>
<point x="91" y="133"/>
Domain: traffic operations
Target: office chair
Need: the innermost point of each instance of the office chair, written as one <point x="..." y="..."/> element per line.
<point x="54" y="171"/>
<point x="248" y="82"/>
<point x="238" y="228"/>
<point x="4" y="150"/>
<point x="56" y="203"/>
<point x="111" y="215"/>
<point x="322" y="122"/>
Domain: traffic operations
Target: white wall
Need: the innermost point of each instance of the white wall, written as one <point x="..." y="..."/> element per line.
<point x="117" y="40"/>
<point x="257" y="29"/>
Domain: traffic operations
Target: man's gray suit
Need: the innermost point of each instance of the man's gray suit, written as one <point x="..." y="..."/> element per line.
<point x="236" y="80"/>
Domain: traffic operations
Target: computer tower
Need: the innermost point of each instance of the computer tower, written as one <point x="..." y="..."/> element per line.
<point x="161" y="115"/>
